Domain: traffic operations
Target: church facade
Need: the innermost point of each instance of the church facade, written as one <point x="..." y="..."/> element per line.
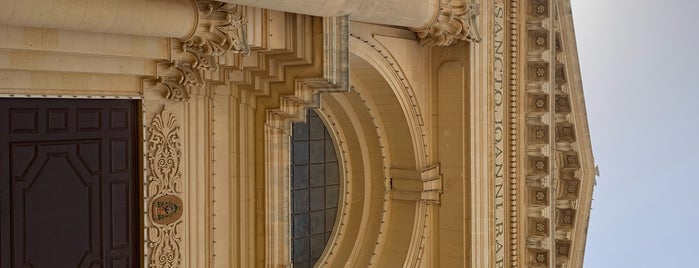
<point x="158" y="133"/>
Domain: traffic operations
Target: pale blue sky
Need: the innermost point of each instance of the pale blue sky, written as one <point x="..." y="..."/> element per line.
<point x="639" y="68"/>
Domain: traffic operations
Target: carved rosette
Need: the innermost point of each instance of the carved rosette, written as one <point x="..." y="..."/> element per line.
<point x="455" y="20"/>
<point x="221" y="28"/>
<point x="164" y="179"/>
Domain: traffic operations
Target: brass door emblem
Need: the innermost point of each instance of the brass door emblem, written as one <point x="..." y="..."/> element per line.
<point x="166" y="209"/>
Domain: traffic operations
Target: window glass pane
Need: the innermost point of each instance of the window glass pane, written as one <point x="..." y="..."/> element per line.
<point x="315" y="183"/>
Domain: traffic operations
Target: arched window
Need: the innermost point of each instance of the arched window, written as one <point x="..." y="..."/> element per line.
<point x="315" y="189"/>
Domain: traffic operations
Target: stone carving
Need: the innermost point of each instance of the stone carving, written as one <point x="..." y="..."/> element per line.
<point x="539" y="196"/>
<point x="566" y="219"/>
<point x="539" y="226"/>
<point x="539" y="134"/>
<point x="166" y="209"/>
<point x="538" y="71"/>
<point x="164" y="180"/>
<point x="538" y="8"/>
<point x="178" y="85"/>
<point x="538" y="165"/>
<point x="563" y="248"/>
<point x="220" y="29"/>
<point x="455" y="20"/>
<point x="565" y="132"/>
<point x="541" y="256"/>
<point x="538" y="103"/>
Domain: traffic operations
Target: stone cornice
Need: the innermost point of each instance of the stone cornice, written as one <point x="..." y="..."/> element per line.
<point x="454" y="21"/>
<point x="578" y="155"/>
<point x="555" y="163"/>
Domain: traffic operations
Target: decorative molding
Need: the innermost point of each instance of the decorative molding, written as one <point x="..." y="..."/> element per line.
<point x="534" y="59"/>
<point x="513" y="32"/>
<point x="164" y="179"/>
<point x="221" y="28"/>
<point x="401" y="76"/>
<point x="455" y="20"/>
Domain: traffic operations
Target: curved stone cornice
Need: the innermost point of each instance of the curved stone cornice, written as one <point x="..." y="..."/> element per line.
<point x="454" y="21"/>
<point x="220" y="30"/>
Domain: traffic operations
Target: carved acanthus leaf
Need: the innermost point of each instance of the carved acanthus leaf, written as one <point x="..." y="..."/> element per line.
<point x="456" y="20"/>
<point x="221" y="29"/>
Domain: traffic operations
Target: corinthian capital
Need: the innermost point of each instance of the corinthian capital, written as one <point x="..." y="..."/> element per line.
<point x="454" y="21"/>
<point x="220" y="29"/>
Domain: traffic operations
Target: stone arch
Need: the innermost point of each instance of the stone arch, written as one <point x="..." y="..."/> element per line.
<point x="381" y="145"/>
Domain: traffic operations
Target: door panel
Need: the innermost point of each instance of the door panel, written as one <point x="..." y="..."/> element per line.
<point x="68" y="183"/>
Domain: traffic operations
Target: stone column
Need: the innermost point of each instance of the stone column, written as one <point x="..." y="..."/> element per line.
<point x="161" y="18"/>
<point x="436" y="22"/>
<point x="411" y="13"/>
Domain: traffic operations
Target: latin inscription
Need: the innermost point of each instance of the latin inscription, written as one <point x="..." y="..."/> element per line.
<point x="498" y="134"/>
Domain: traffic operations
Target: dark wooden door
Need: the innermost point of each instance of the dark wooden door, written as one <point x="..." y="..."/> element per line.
<point x="68" y="183"/>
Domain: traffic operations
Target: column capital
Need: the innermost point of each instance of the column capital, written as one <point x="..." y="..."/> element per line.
<point x="455" y="20"/>
<point x="220" y="29"/>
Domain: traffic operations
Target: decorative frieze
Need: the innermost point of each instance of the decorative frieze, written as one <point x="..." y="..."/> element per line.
<point x="455" y="20"/>
<point x="538" y="136"/>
